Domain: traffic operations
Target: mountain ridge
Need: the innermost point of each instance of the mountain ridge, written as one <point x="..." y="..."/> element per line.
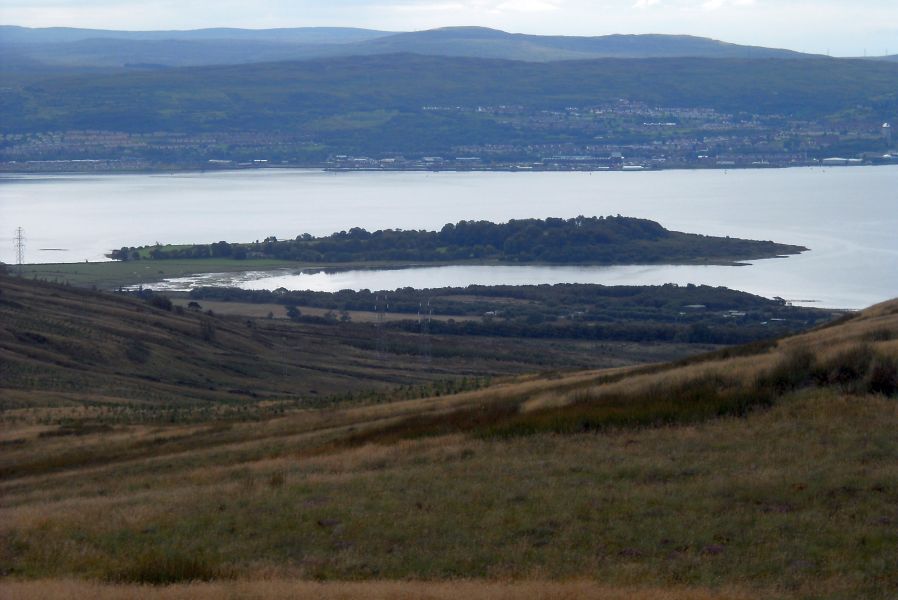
<point x="91" y="47"/>
<point x="17" y="34"/>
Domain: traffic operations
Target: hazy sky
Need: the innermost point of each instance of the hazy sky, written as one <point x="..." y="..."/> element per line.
<point x="842" y="27"/>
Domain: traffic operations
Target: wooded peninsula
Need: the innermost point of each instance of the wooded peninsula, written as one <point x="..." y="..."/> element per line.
<point x="581" y="240"/>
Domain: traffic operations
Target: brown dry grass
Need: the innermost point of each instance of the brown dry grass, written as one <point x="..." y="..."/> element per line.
<point x="877" y="327"/>
<point x="285" y="589"/>
<point x="796" y="501"/>
<point x="819" y="467"/>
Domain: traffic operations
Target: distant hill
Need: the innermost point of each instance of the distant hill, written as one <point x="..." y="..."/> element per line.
<point x="69" y="47"/>
<point x="90" y="47"/>
<point x="113" y="52"/>
<point x="491" y="43"/>
<point x="380" y="98"/>
<point x="10" y="34"/>
<point x="888" y="58"/>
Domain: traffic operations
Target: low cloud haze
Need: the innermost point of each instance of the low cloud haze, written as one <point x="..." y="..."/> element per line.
<point x="841" y="27"/>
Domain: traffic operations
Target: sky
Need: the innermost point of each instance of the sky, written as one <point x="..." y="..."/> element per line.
<point x="837" y="27"/>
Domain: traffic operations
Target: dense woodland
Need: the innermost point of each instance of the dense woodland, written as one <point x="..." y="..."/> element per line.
<point x="584" y="240"/>
<point x="667" y="313"/>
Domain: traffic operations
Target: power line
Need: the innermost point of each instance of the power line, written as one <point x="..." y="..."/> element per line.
<point x="20" y="249"/>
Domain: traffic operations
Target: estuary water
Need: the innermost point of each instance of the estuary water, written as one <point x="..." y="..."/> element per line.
<point x="848" y="217"/>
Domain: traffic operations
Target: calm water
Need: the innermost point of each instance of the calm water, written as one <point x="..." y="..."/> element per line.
<point x="848" y="217"/>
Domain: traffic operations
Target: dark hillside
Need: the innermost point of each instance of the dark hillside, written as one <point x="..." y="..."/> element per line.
<point x="75" y="345"/>
<point x="131" y="358"/>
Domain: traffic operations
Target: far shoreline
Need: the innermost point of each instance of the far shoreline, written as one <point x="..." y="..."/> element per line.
<point x="4" y="174"/>
<point x="116" y="273"/>
<point x="131" y="282"/>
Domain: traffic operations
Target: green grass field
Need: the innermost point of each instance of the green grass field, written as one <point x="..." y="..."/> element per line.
<point x="112" y="275"/>
<point x="115" y="274"/>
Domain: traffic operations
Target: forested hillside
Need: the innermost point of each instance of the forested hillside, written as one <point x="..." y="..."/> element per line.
<point x="383" y="96"/>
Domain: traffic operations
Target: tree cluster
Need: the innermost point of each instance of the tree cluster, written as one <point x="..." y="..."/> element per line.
<point x="581" y="240"/>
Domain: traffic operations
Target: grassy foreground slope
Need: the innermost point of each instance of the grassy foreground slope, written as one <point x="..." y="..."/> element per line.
<point x="768" y="471"/>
